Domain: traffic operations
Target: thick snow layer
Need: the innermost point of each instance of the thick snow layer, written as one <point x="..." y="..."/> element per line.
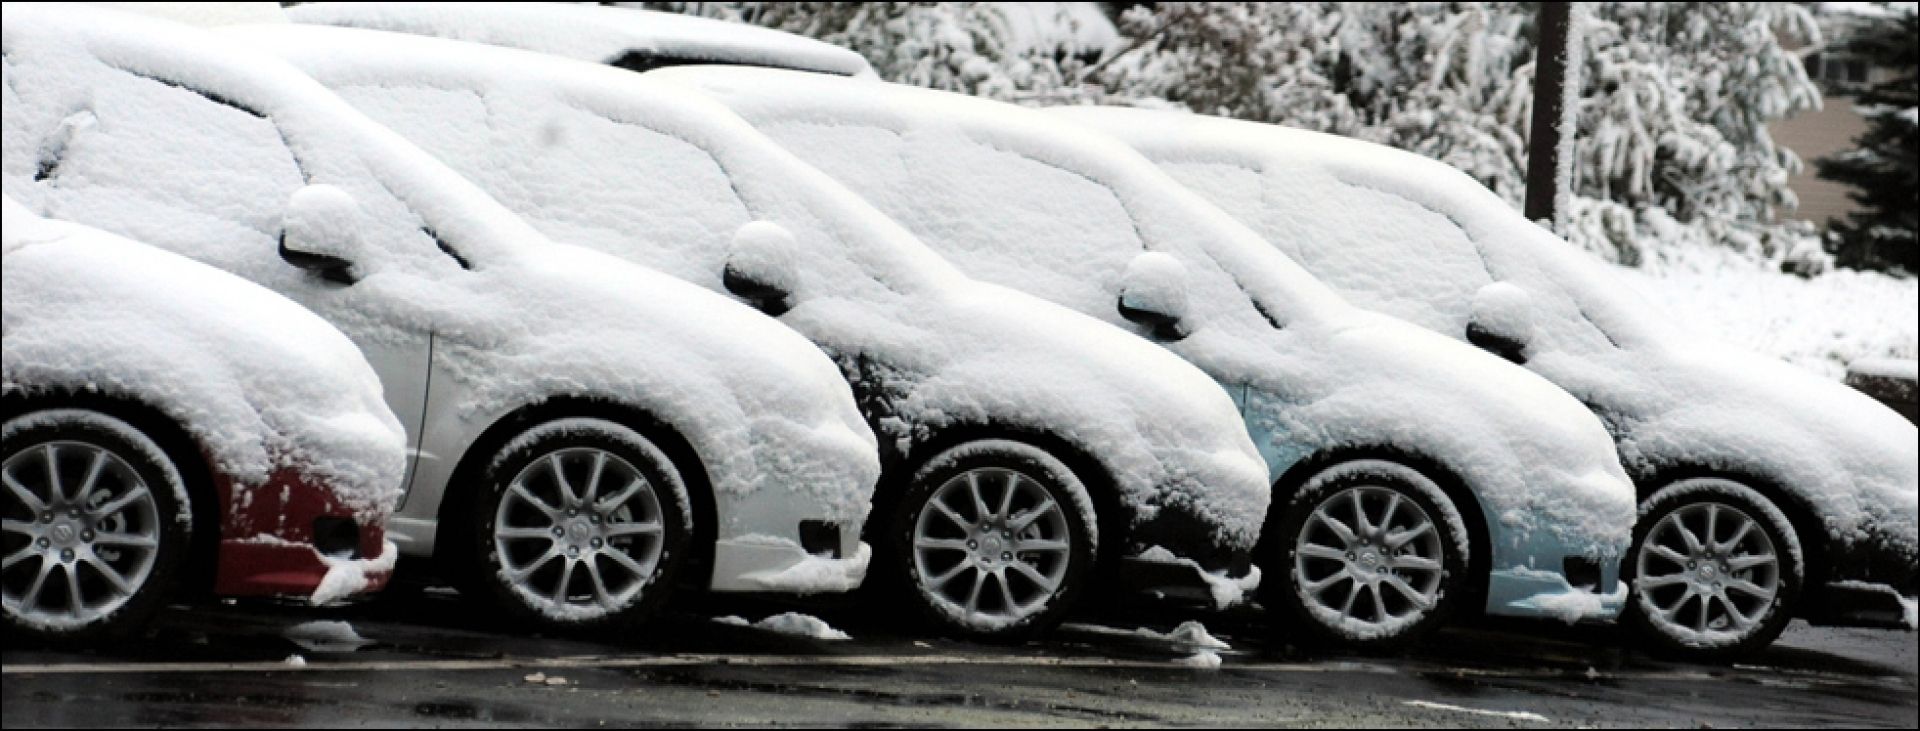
<point x="812" y="574"/>
<point x="172" y="136"/>
<point x="790" y="623"/>
<point x="1202" y="660"/>
<point x="592" y="34"/>
<point x="260" y="383"/>
<point x="349" y="576"/>
<point x="1017" y="197"/>
<point x="1567" y="603"/>
<point x="1226" y="591"/>
<point x="656" y="174"/>
<point x="1414" y="238"/>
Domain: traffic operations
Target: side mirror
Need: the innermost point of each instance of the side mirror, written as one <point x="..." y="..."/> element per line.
<point x="1502" y="321"/>
<point x="320" y="232"/>
<point x="761" y="267"/>
<point x="1153" y="292"/>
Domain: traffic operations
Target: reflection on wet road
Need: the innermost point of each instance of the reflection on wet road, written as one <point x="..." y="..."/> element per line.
<point x="429" y="659"/>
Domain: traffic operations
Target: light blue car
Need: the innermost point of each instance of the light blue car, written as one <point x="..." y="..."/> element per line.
<point x="1767" y="492"/>
<point x="1414" y="476"/>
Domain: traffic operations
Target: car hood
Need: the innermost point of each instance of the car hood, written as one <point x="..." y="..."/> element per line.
<point x="978" y="354"/>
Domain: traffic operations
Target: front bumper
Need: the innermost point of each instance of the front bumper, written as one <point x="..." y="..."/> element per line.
<point x="289" y="537"/>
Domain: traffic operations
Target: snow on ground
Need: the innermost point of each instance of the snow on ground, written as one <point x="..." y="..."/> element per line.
<point x="1821" y="324"/>
<point x="790" y="623"/>
<point x="259" y="382"/>
<point x="323" y="635"/>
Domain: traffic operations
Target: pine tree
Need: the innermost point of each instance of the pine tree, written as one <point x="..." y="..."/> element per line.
<point x="1884" y="165"/>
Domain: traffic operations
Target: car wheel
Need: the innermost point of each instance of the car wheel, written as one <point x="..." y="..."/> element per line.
<point x="97" y="522"/>
<point x="1369" y="555"/>
<point x="1715" y="569"/>
<point x="581" y="524"/>
<point x="992" y="540"/>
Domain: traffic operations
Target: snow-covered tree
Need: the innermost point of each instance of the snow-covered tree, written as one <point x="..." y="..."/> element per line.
<point x="1884" y="164"/>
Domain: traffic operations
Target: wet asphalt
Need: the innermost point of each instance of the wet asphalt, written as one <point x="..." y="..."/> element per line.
<point x="435" y="660"/>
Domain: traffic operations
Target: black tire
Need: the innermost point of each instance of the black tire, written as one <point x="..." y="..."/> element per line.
<point x="1659" y="615"/>
<point x="900" y="571"/>
<point x="596" y="535"/>
<point x="1378" y="616"/>
<point x="77" y="542"/>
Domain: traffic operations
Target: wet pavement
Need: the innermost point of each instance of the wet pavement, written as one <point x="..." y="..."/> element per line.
<point x="435" y="660"/>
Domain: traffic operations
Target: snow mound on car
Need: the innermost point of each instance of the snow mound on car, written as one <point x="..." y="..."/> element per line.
<point x="259" y="382"/>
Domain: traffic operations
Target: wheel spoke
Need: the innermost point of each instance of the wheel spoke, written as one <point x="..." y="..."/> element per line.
<point x="132" y="540"/>
<point x="1742" y="563"/>
<point x="1353" y="592"/>
<point x="1045" y="583"/>
<point x="521" y="574"/>
<point x="560" y="479"/>
<point x="938" y="582"/>
<point x="1686" y="534"/>
<point x="973" y="597"/>
<point x="1006" y="498"/>
<point x="1713" y="524"/>
<point x="1006" y="594"/>
<point x="1400" y="585"/>
<point x="1700" y="620"/>
<point x="593" y="479"/>
<point x="1393" y="506"/>
<point x="1026" y="519"/>
<point x="940" y="544"/>
<point x="1379" y="603"/>
<point x="1315" y="587"/>
<point x="1039" y="545"/>
<point x="31" y="598"/>
<point x="1739" y="534"/>
<point x="93" y="477"/>
<point x="520" y="491"/>
<point x="517" y="533"/>
<point x="23" y="554"/>
<point x="620" y="557"/>
<point x="112" y="575"/>
<point x="1655" y="582"/>
<point x="613" y="502"/>
<point x="1360" y="524"/>
<point x="17" y="526"/>
<point x="650" y="528"/>
<point x="1396" y="540"/>
<point x="1414" y="563"/>
<point x="32" y="501"/>
<point x="566" y="578"/>
<point x="1340" y="530"/>
<point x="1748" y="588"/>
<point x="1740" y="620"/>
<point x="1668" y="554"/>
<point x="600" y="593"/>
<point x="75" y="602"/>
<point x="979" y="503"/>
<point x="113" y="507"/>
<point x="1315" y="550"/>
<point x="59" y="492"/>
<point x="941" y="505"/>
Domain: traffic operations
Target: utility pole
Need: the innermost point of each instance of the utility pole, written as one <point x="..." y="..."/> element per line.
<point x="1549" y="108"/>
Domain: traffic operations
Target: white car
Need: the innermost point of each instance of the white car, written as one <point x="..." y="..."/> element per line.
<point x="1802" y="488"/>
<point x="171" y="427"/>
<point x="1413" y="476"/>
<point x="628" y="38"/>
<point x="1020" y="441"/>
<point x="583" y="430"/>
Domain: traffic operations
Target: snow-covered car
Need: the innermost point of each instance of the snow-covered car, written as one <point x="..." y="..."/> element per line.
<point x="583" y="431"/>
<point x="169" y="426"/>
<point x="1022" y="444"/>
<point x="628" y="38"/>
<point x="1766" y="492"/>
<point x="1413" y="476"/>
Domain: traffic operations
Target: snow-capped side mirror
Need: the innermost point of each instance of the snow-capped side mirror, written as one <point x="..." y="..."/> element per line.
<point x="1502" y="321"/>
<point x="320" y="232"/>
<point x="761" y="267"/>
<point x="1153" y="292"/>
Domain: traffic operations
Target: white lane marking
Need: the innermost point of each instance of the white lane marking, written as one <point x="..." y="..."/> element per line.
<point x="1515" y="715"/>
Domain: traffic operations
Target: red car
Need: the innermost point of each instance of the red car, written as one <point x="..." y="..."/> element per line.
<point x="169" y="427"/>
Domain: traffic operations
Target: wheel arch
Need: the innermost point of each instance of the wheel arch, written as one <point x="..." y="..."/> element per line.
<point x="189" y="458"/>
<point x="1479" y="541"/>
<point x="457" y="500"/>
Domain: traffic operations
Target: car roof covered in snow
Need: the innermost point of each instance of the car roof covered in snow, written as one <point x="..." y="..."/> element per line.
<point x="626" y="37"/>
<point x="260" y="383"/>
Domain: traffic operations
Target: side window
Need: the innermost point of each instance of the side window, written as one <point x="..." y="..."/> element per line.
<point x="1380" y="251"/>
<point x="577" y="176"/>
<point x="997" y="215"/>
